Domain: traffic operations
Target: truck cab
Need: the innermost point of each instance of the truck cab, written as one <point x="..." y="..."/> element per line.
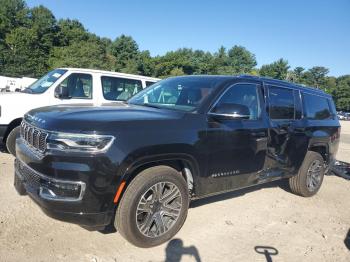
<point x="65" y="86"/>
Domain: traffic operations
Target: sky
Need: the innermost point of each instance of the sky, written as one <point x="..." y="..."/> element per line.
<point x="307" y="33"/>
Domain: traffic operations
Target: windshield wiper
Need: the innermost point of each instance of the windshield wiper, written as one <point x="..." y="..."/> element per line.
<point x="150" y="105"/>
<point x="27" y="90"/>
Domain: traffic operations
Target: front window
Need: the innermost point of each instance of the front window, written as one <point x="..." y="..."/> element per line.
<point x="183" y="93"/>
<point x="79" y="86"/>
<point x="41" y="85"/>
<point x="242" y="94"/>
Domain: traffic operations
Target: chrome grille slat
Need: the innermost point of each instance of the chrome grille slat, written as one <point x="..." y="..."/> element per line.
<point x="34" y="137"/>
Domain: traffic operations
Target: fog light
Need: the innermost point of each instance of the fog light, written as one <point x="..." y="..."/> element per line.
<point x="64" y="191"/>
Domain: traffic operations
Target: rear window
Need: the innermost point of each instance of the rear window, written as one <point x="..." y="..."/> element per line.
<point x="316" y="107"/>
<point x="119" y="89"/>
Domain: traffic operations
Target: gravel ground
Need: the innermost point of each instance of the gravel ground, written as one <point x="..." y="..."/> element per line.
<point x="230" y="227"/>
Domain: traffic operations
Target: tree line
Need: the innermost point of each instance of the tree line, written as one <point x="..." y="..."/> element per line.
<point x="33" y="42"/>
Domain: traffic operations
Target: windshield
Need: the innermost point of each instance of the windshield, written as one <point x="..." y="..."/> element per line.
<point x="181" y="93"/>
<point x="41" y="85"/>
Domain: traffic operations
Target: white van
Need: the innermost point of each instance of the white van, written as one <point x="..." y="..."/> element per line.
<point x="65" y="86"/>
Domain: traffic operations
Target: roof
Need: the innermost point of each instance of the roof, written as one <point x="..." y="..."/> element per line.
<point x="267" y="80"/>
<point x="110" y="73"/>
<point x="286" y="84"/>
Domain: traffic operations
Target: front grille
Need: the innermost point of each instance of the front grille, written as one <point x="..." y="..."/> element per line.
<point x="34" y="136"/>
<point x="29" y="176"/>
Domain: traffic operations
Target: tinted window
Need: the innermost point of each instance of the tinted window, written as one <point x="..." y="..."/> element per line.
<point x="179" y="93"/>
<point x="298" y="105"/>
<point x="79" y="86"/>
<point x="119" y="89"/>
<point x="316" y="107"/>
<point x="244" y="95"/>
<point x="281" y="101"/>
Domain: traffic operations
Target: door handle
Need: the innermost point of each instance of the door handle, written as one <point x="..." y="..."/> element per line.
<point x="258" y="134"/>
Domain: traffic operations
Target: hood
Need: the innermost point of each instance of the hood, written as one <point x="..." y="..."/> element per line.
<point x="88" y="117"/>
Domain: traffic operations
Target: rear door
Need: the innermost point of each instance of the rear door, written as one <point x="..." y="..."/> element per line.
<point x="287" y="140"/>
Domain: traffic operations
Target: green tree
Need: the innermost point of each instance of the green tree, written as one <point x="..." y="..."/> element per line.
<point x="315" y="76"/>
<point x="126" y="51"/>
<point x="179" y="59"/>
<point x="277" y="69"/>
<point x="296" y="75"/>
<point x="13" y="14"/>
<point x="28" y="47"/>
<point x="88" y="54"/>
<point x="342" y="93"/>
<point x="146" y="64"/>
<point x="241" y="60"/>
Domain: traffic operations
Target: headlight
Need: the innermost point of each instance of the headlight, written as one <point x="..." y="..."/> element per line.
<point x="79" y="142"/>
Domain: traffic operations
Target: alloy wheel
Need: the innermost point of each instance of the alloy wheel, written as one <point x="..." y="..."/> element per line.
<point x="314" y="175"/>
<point x="158" y="209"/>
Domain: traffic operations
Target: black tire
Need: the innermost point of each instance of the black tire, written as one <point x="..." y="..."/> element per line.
<point x="127" y="223"/>
<point x="11" y="140"/>
<point x="299" y="184"/>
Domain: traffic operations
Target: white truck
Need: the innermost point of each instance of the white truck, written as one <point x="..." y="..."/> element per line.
<point x="12" y="84"/>
<point x="65" y="86"/>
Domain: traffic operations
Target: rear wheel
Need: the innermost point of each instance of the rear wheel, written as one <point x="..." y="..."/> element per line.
<point x="11" y="140"/>
<point x="310" y="176"/>
<point x="153" y="207"/>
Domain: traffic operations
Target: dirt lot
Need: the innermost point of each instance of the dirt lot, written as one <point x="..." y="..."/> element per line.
<point x="225" y="228"/>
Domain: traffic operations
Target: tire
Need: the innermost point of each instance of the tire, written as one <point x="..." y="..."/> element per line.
<point x="11" y="140"/>
<point x="142" y="189"/>
<point x="302" y="184"/>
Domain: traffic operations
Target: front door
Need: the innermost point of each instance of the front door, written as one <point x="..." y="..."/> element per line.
<point x="79" y="89"/>
<point x="237" y="147"/>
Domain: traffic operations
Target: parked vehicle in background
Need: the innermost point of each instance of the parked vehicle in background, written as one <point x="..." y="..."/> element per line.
<point x="343" y="115"/>
<point x="137" y="165"/>
<point x="12" y="84"/>
<point x="65" y="86"/>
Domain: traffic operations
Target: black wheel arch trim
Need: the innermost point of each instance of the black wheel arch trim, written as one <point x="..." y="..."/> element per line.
<point x="129" y="171"/>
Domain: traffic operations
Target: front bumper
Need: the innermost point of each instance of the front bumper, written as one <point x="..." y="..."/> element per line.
<point x="3" y="130"/>
<point x="92" y="203"/>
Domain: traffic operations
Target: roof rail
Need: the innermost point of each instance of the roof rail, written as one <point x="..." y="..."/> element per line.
<point x="270" y="79"/>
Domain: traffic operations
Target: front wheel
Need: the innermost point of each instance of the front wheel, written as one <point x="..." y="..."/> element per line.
<point x="153" y="207"/>
<point x="310" y="176"/>
<point x="11" y="140"/>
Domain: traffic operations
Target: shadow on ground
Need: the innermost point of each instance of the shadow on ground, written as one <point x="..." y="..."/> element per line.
<point x="347" y="240"/>
<point x="175" y="250"/>
<point x="283" y="184"/>
<point x="267" y="251"/>
<point x="3" y="149"/>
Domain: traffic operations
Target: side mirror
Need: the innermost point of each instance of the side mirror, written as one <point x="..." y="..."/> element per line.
<point x="61" y="92"/>
<point x="230" y="111"/>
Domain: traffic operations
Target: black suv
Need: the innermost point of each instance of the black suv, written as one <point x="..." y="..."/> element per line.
<point x="137" y="165"/>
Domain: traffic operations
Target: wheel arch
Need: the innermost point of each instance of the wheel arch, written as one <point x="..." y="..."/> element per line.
<point x="322" y="149"/>
<point x="186" y="166"/>
<point x="14" y="123"/>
